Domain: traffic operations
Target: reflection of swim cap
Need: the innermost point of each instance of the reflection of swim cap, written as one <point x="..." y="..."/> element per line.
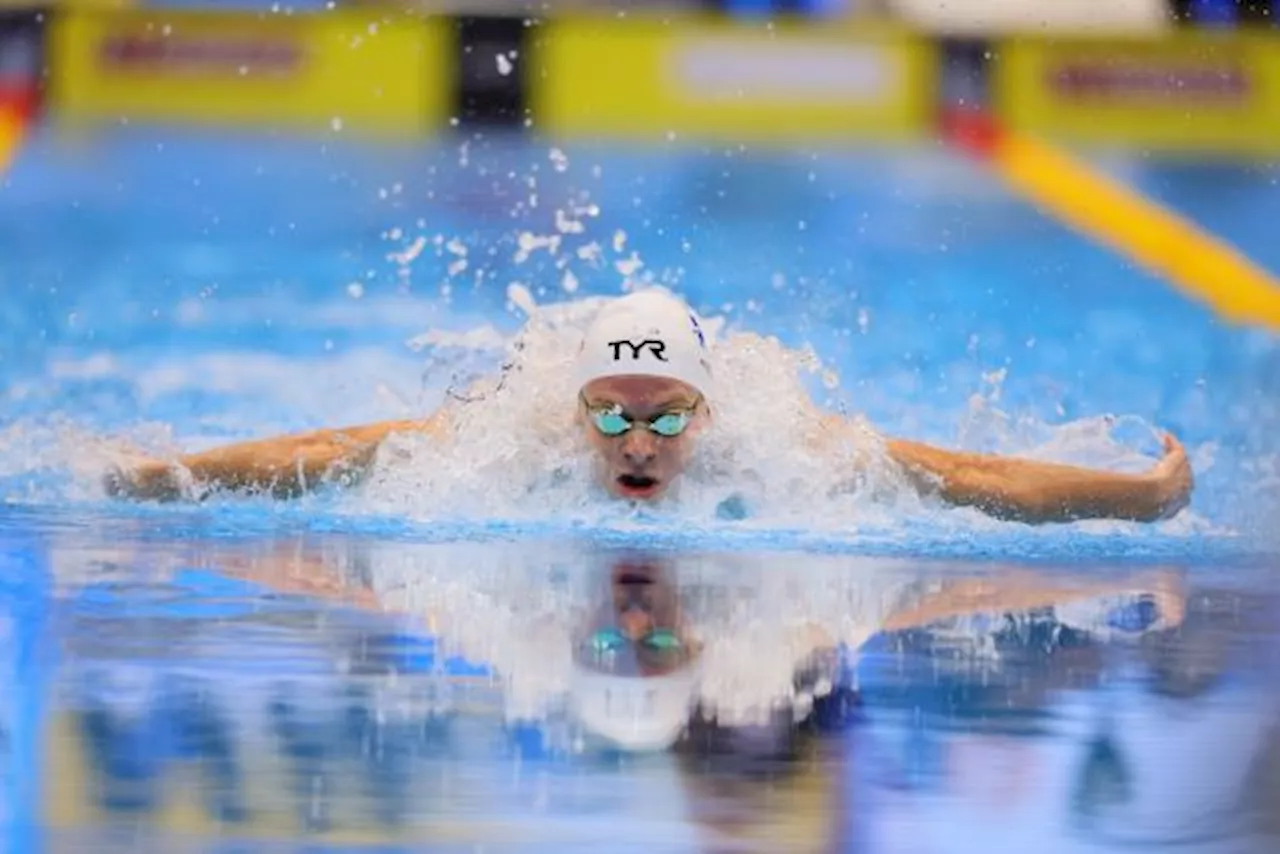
<point x="649" y="333"/>
<point x="634" y="713"/>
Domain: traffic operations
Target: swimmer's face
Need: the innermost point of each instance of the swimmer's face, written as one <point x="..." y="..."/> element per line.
<point x="641" y="463"/>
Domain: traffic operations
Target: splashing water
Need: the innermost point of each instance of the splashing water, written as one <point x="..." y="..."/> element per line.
<point x="516" y="451"/>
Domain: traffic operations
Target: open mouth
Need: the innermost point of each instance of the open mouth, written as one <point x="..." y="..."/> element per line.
<point x="637" y="483"/>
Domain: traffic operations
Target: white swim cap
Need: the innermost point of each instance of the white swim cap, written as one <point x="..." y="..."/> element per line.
<point x="639" y="714"/>
<point x="649" y="333"/>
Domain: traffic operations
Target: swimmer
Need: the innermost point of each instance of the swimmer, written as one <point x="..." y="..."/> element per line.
<point x="641" y="385"/>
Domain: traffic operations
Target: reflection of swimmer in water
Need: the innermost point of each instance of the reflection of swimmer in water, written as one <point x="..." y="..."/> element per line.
<point x="668" y="651"/>
<point x="642" y="383"/>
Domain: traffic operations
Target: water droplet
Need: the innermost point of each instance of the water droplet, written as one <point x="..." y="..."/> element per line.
<point x="628" y="266"/>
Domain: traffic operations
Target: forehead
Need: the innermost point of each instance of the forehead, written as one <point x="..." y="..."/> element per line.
<point x="637" y="391"/>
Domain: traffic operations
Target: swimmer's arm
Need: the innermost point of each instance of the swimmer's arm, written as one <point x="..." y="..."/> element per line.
<point x="282" y="465"/>
<point x="1023" y="591"/>
<point x="1038" y="492"/>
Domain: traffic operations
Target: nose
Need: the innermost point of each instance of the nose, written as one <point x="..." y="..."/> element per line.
<point x="635" y="623"/>
<point x="639" y="447"/>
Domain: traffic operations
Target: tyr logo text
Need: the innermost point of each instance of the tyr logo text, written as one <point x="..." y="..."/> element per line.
<point x="657" y="348"/>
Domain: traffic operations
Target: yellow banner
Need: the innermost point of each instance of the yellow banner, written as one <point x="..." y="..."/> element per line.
<point x="335" y="71"/>
<point x="658" y="78"/>
<point x="1189" y="91"/>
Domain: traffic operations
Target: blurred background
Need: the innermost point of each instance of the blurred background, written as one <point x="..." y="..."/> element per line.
<point x="871" y="70"/>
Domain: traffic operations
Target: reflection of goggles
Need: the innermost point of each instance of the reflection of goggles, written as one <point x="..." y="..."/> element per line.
<point x="612" y="639"/>
<point x="611" y="421"/>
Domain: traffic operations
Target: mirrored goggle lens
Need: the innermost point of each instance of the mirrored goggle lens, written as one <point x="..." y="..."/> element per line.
<point x="610" y="423"/>
<point x="670" y="424"/>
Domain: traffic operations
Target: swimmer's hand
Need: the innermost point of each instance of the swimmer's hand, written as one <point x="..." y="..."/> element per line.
<point x="1172" y="478"/>
<point x="149" y="479"/>
<point x="1036" y="492"/>
<point x="283" y="466"/>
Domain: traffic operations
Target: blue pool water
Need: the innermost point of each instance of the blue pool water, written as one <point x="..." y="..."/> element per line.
<point x="166" y="290"/>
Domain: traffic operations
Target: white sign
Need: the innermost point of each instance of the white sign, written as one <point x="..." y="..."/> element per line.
<point x="729" y="69"/>
<point x="992" y="17"/>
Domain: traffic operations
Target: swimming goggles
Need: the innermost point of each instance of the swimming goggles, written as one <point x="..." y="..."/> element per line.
<point x="611" y="421"/>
